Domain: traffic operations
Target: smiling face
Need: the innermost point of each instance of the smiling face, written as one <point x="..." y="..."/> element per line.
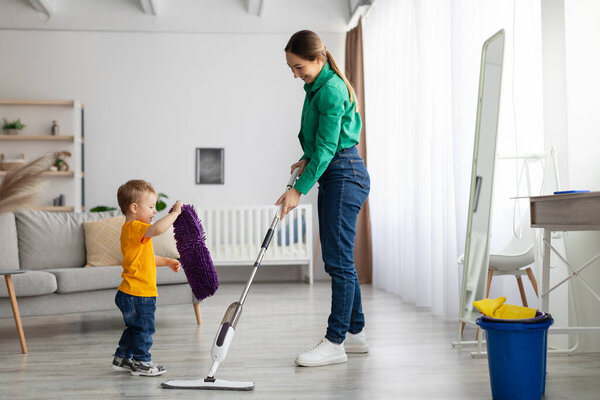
<point x="144" y="209"/>
<point x="306" y="70"/>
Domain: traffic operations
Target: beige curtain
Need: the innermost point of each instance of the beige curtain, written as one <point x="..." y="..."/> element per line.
<point x="354" y="72"/>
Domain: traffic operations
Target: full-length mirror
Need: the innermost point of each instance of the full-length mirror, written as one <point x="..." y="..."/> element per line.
<point x="476" y="256"/>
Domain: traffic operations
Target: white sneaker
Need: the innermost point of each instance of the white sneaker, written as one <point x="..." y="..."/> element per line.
<point x="324" y="353"/>
<point x="356" y="343"/>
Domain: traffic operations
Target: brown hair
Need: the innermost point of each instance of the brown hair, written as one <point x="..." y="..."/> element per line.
<point x="131" y="192"/>
<point x="309" y="46"/>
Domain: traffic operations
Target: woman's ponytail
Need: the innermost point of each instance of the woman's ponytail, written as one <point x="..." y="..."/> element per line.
<point x="334" y="66"/>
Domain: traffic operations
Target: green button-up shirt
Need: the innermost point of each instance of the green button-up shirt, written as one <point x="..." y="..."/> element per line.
<point x="329" y="124"/>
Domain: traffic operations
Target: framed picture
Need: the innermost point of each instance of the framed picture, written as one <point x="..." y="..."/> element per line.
<point x="210" y="166"/>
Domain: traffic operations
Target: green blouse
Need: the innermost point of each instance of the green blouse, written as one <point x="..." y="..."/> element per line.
<point x="329" y="124"/>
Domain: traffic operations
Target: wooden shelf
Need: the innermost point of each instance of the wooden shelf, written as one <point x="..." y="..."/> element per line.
<point x="56" y="208"/>
<point x="50" y="173"/>
<point x="66" y="103"/>
<point x="40" y="138"/>
<point x="59" y="173"/>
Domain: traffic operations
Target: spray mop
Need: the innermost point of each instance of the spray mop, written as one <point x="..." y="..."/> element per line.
<point x="228" y="326"/>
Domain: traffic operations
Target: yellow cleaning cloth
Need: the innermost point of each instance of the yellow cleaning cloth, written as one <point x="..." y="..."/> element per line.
<point x="496" y="308"/>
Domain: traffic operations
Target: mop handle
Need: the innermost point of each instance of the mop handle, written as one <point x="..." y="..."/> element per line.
<point x="289" y="185"/>
<point x="293" y="178"/>
<point x="268" y="237"/>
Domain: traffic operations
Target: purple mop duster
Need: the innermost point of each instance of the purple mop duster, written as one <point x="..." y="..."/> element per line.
<point x="194" y="255"/>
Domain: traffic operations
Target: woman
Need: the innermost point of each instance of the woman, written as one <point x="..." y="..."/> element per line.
<point x="330" y="129"/>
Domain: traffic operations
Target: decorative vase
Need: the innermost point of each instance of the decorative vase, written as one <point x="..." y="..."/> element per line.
<point x="55" y="128"/>
<point x="11" y="131"/>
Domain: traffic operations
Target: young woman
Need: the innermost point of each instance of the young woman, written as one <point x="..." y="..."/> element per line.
<point x="330" y="129"/>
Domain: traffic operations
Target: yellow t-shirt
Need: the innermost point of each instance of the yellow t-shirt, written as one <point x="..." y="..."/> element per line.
<point x="139" y="264"/>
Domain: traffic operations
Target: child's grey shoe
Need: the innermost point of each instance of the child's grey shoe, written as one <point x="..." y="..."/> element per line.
<point x="146" y="368"/>
<point x="122" y="364"/>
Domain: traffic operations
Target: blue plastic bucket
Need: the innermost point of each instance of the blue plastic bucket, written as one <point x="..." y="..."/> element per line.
<point x="517" y="350"/>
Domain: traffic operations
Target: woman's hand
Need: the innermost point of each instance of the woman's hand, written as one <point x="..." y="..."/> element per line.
<point x="289" y="200"/>
<point x="300" y="164"/>
<point x="173" y="264"/>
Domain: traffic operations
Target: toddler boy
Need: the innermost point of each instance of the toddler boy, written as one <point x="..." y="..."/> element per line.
<point x="136" y="295"/>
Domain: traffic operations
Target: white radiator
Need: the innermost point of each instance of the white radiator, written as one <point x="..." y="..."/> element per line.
<point x="234" y="236"/>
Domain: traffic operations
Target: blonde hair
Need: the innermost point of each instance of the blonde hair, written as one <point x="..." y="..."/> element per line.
<point x="131" y="192"/>
<point x="309" y="46"/>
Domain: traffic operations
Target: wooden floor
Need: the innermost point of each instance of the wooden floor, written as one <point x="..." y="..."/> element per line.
<point x="411" y="356"/>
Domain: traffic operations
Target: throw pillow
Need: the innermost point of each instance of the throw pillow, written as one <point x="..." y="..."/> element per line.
<point x="103" y="241"/>
<point x="165" y="245"/>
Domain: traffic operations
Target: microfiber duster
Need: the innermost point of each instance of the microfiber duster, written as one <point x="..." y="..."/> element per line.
<point x="194" y="255"/>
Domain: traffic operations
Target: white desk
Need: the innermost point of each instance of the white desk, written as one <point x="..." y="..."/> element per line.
<point x="565" y="212"/>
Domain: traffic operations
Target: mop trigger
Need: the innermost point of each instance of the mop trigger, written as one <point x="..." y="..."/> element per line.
<point x="223" y="334"/>
<point x="293" y="178"/>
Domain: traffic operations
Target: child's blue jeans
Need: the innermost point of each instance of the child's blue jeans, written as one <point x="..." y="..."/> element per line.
<point x="138" y="314"/>
<point x="343" y="188"/>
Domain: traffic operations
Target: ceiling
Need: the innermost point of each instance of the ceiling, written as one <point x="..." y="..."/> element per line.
<point x="204" y="16"/>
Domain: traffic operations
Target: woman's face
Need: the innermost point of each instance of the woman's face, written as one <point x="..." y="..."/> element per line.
<point x="306" y="70"/>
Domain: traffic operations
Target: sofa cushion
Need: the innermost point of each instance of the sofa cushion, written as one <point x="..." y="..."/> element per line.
<point x="31" y="283"/>
<point x="166" y="276"/>
<point x="72" y="280"/>
<point x="8" y="242"/>
<point x="102" y="241"/>
<point x="165" y="245"/>
<point x="53" y="239"/>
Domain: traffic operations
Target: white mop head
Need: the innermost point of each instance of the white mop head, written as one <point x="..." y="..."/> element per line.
<point x="201" y="384"/>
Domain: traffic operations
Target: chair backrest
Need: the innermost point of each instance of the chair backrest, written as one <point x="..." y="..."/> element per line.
<point x="519" y="252"/>
<point x="521" y="245"/>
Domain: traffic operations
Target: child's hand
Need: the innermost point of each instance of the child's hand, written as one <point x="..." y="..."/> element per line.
<point x="177" y="207"/>
<point x="173" y="264"/>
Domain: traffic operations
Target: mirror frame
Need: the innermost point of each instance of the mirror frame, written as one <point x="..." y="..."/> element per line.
<point x="477" y="184"/>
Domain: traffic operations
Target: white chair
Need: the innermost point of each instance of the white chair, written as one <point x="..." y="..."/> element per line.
<point x="518" y="254"/>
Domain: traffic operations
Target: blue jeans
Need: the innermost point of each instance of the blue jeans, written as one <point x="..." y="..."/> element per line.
<point x="343" y="188"/>
<point x="138" y="314"/>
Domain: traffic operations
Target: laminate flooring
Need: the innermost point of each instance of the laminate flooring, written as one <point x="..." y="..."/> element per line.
<point x="410" y="358"/>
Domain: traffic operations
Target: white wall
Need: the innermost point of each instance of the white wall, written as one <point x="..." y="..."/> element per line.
<point x="201" y="74"/>
<point x="571" y="125"/>
<point x="151" y="99"/>
<point x="583" y="85"/>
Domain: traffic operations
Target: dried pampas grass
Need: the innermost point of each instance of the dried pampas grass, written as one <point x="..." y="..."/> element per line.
<point x="19" y="188"/>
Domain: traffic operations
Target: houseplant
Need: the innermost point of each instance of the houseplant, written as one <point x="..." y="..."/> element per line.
<point x="13" y="127"/>
<point x="160" y="204"/>
<point x="102" y="208"/>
